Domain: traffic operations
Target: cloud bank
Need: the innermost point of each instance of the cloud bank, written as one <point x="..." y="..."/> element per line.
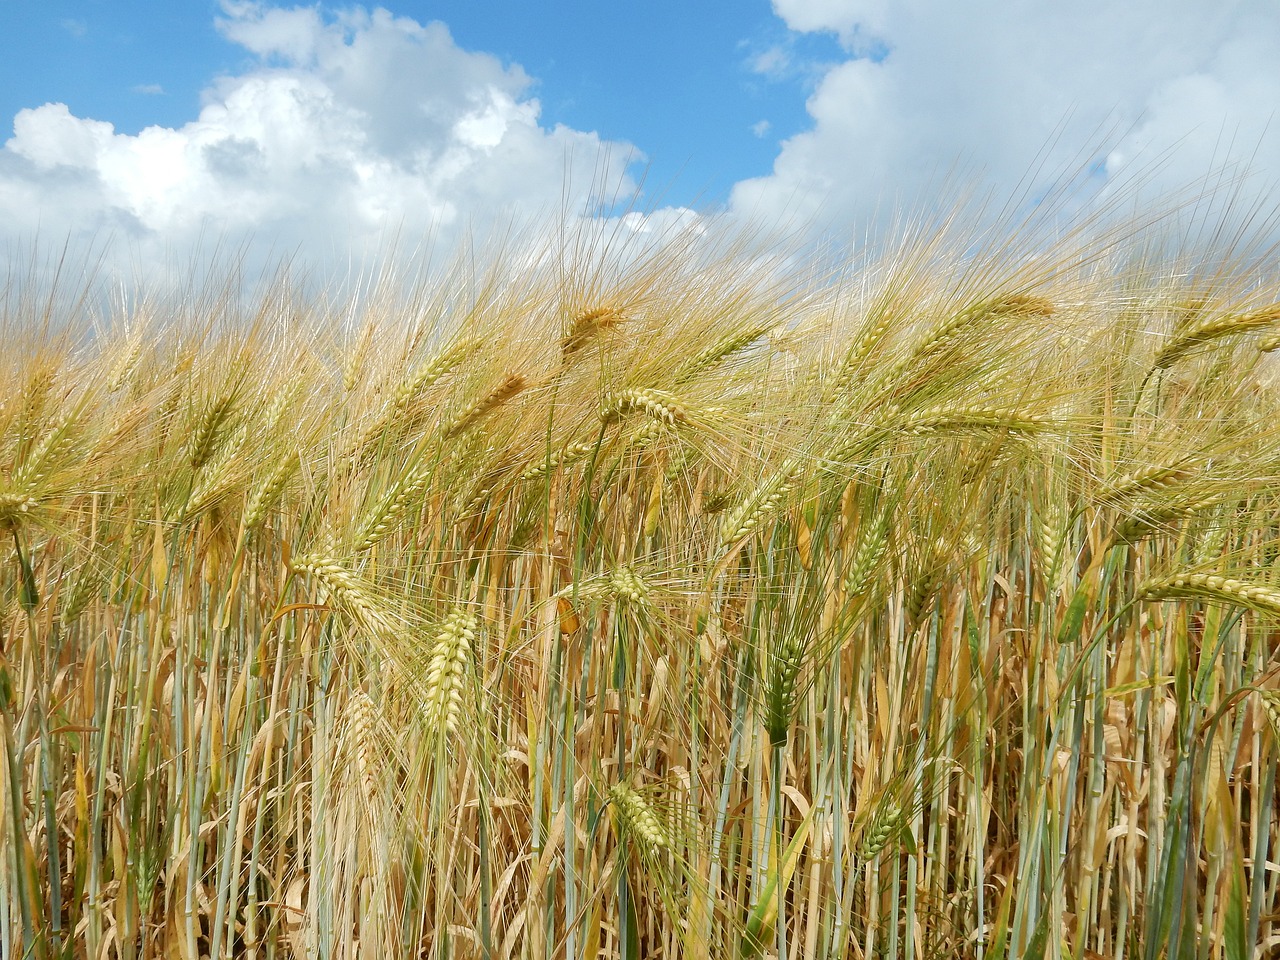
<point x="1009" y="91"/>
<point x="343" y="129"/>
<point x="346" y="127"/>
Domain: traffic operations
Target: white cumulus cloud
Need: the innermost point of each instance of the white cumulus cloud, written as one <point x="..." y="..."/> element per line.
<point x="1006" y="91"/>
<point x="345" y="128"/>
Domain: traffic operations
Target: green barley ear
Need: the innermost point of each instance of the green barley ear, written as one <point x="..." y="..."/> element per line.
<point x="51" y="452"/>
<point x="926" y="581"/>
<point x="869" y="552"/>
<point x="886" y="826"/>
<point x="84" y="589"/>
<point x="781" y="687"/>
<point x="1270" y="701"/>
<point x="1053" y="530"/>
<point x="1148" y="520"/>
<point x="633" y="817"/>
<point x="32" y="481"/>
<point x="761" y="502"/>
<point x="444" y="683"/>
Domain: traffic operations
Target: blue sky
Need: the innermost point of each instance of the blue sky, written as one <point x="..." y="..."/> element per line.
<point x="680" y="80"/>
<point x="321" y="127"/>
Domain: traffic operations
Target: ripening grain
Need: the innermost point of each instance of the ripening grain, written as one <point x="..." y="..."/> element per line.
<point x="652" y="604"/>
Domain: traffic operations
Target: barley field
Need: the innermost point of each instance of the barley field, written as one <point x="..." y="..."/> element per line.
<point x="649" y="598"/>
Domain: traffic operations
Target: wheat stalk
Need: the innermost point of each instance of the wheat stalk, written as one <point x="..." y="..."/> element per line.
<point x="762" y="501"/>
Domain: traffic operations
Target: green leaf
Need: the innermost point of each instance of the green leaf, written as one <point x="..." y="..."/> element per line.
<point x="1073" y="619"/>
<point x="759" y="930"/>
<point x="28" y="595"/>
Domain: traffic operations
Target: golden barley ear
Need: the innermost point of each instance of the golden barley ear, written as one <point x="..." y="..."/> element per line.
<point x="587" y="326"/>
<point x="1209" y="586"/>
<point x="443" y="684"/>
<point x="510" y="386"/>
<point x="635" y="818"/>
<point x="1212" y="329"/>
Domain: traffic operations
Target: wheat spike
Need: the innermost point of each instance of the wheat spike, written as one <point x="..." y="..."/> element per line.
<point x="635" y="818"/>
<point x="432" y="371"/>
<point x="623" y="584"/>
<point x="1207" y="586"/>
<point x="268" y="491"/>
<point x="1147" y="480"/>
<point x="561" y="458"/>
<point x="347" y="590"/>
<point x="782" y="674"/>
<point x="721" y="350"/>
<point x="873" y="540"/>
<point x="1212" y="329"/>
<point x="362" y="729"/>
<point x="945" y="333"/>
<point x="942" y="419"/>
<point x="587" y="326"/>
<point x="445" y="676"/>
<point x="658" y="404"/>
<point x="1270" y="700"/>
<point x="761" y="502"/>
<point x="477" y="411"/>
<point x="886" y="824"/>
<point x="206" y="439"/>
<point x="926" y="582"/>
<point x="376" y="525"/>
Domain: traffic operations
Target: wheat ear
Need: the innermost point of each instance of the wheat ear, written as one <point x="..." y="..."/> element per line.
<point x="658" y="404"/>
<point x="942" y="419"/>
<point x="445" y="677"/>
<point x="586" y="326"/>
<point x="1206" y="331"/>
<point x="635" y="818"/>
<point x="721" y="350"/>
<point x="762" y="501"/>
<point x="886" y="825"/>
<point x="481" y="408"/>
<point x="346" y="588"/>
<point x="1207" y="586"/>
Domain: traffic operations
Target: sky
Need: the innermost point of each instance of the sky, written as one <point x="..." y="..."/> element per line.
<point x="157" y="128"/>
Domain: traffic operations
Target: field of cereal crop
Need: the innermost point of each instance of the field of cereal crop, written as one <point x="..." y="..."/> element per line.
<point x="645" y="601"/>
